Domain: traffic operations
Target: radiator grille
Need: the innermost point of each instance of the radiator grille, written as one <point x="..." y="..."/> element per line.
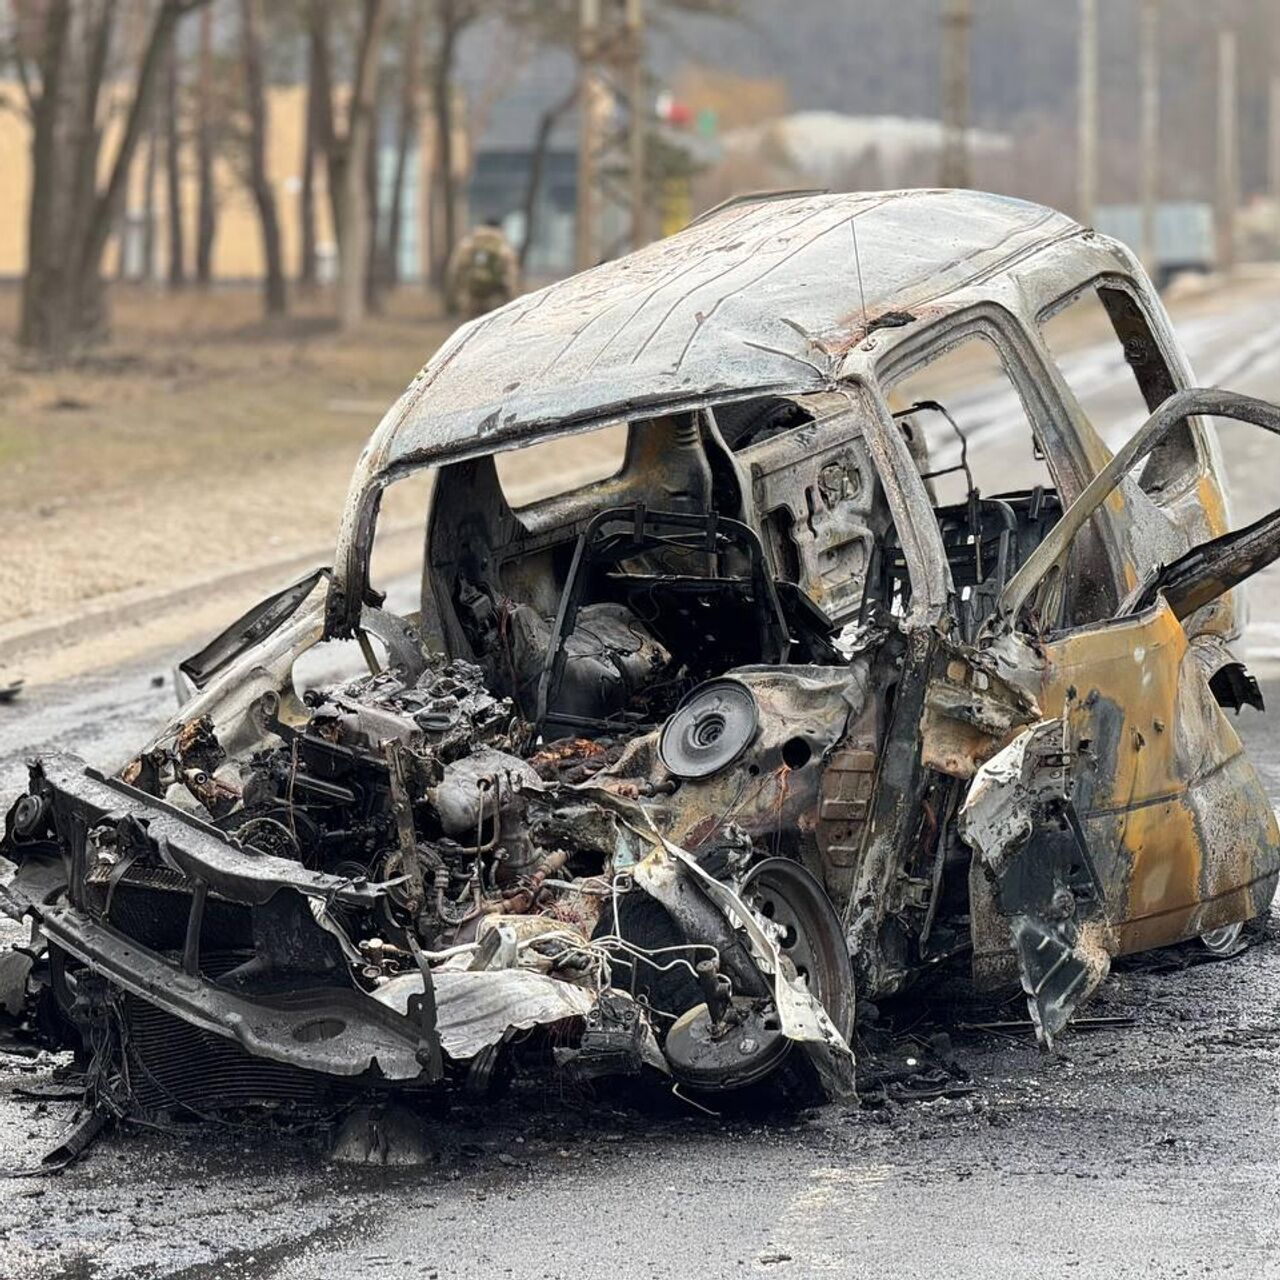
<point x="174" y="1065"/>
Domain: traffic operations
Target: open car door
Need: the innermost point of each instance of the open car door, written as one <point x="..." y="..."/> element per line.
<point x="1129" y="816"/>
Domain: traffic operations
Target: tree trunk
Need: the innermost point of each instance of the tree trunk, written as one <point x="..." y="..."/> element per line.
<point x="87" y="139"/>
<point x="207" y="209"/>
<point x="61" y="310"/>
<point x="71" y="219"/>
<point x="260" y="185"/>
<point x="41" y="326"/>
<point x="353" y="222"/>
<point x="372" y="205"/>
<point x="307" y="268"/>
<point x="442" y="102"/>
<point x="537" y="164"/>
<point x="108" y="203"/>
<point x="407" y="136"/>
<point x="327" y="141"/>
<point x="149" y="204"/>
<point x="173" y="166"/>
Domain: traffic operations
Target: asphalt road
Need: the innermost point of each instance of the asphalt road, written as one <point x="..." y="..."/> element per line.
<point x="1139" y="1150"/>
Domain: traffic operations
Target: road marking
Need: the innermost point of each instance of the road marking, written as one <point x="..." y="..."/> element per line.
<point x="810" y="1235"/>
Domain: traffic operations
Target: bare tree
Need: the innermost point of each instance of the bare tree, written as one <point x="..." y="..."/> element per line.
<point x="346" y="151"/>
<point x="452" y="17"/>
<point x="148" y="272"/>
<point x="555" y="24"/>
<point x="71" y="214"/>
<point x="407" y="135"/>
<point x="537" y="163"/>
<point x="207" y="210"/>
<point x="173" y="169"/>
<point x="259" y="183"/>
<point x="451" y="20"/>
<point x="373" y="285"/>
<point x="307" y="267"/>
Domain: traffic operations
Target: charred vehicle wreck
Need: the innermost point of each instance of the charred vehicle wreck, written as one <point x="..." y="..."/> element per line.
<point x="665" y="769"/>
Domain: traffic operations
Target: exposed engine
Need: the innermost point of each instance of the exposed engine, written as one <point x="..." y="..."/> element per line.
<point x="423" y="786"/>
<point x="455" y="870"/>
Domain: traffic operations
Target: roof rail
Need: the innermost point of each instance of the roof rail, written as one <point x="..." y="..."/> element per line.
<point x="758" y="197"/>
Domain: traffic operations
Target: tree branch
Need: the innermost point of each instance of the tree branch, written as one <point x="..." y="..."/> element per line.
<point x="107" y="205"/>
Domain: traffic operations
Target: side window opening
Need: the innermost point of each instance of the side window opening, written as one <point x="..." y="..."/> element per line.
<point x="1104" y="348"/>
<point x="993" y="491"/>
<point x="394" y="572"/>
<point x="551" y="468"/>
<point x="962" y="410"/>
<point x="395" y="558"/>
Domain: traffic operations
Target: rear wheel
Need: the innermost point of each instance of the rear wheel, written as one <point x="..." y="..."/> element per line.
<point x="1224" y="941"/>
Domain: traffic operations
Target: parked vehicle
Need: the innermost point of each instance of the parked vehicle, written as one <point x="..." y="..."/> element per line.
<point x="1184" y="235"/>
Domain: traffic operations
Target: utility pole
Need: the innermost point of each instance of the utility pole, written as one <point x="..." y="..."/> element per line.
<point x="588" y="131"/>
<point x="1273" y="127"/>
<point x="612" y="154"/>
<point x="957" y="18"/>
<point x="1273" y="151"/>
<point x="1087" y="126"/>
<point x="1150" y="141"/>
<point x="1228" y="160"/>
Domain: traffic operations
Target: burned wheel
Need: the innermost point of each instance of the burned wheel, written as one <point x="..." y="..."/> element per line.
<point x="740" y="1044"/>
<point x="807" y="933"/>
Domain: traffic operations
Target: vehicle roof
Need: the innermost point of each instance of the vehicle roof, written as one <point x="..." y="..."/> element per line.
<point x="761" y="295"/>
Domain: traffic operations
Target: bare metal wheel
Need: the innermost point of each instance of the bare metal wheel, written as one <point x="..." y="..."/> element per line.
<point x="807" y="932"/>
<point x="1224" y="941"/>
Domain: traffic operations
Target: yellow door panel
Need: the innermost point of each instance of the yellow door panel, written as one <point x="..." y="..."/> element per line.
<point x="1179" y="827"/>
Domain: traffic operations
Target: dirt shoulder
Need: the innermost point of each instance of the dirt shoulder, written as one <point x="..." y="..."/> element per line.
<point x="199" y="455"/>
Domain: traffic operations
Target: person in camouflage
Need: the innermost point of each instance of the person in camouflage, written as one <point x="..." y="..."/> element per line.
<point x="483" y="272"/>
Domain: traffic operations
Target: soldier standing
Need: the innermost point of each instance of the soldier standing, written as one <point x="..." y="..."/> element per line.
<point x="483" y="272"/>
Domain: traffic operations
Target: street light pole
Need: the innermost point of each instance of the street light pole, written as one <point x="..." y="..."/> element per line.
<point x="638" y="122"/>
<point x="1273" y="149"/>
<point x="585" y="251"/>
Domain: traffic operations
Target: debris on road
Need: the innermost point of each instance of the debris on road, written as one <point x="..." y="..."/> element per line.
<point x="666" y="766"/>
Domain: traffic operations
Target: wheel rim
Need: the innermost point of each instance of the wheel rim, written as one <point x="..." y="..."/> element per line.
<point x="1222" y="942"/>
<point x="808" y="933"/>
